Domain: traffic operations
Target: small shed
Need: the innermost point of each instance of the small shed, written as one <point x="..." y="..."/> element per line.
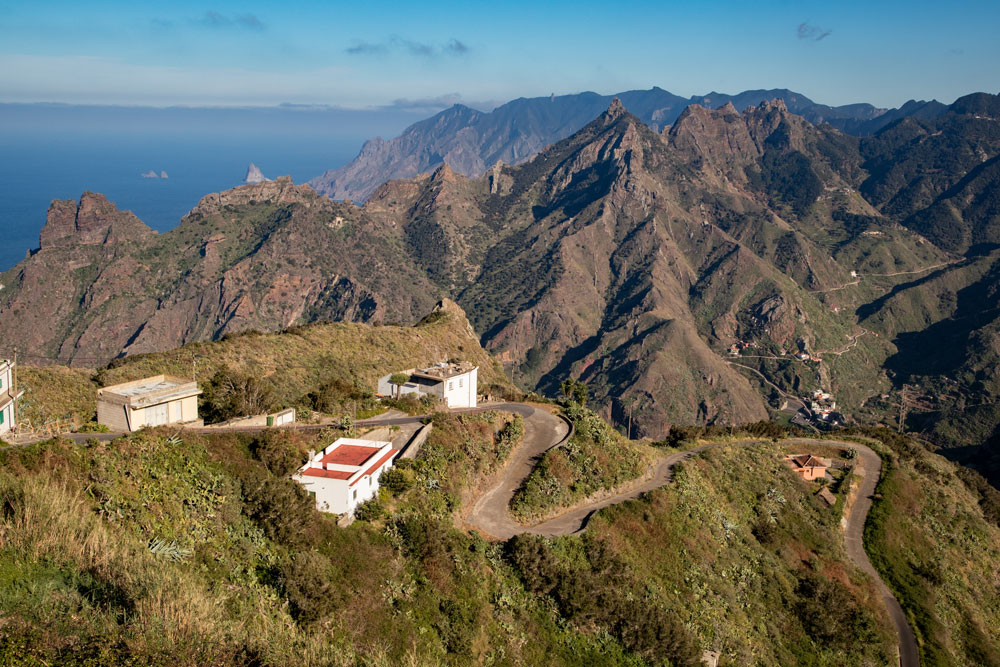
<point x="152" y="401"/>
<point x="807" y="466"/>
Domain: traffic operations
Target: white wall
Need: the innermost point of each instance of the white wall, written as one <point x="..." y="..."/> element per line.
<point x="460" y="391"/>
<point x="337" y="495"/>
<point x="8" y="418"/>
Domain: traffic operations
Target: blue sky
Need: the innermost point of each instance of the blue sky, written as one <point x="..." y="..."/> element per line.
<point x="362" y="54"/>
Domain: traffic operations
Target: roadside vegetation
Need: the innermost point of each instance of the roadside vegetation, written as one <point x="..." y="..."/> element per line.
<point x="933" y="536"/>
<point x="596" y="458"/>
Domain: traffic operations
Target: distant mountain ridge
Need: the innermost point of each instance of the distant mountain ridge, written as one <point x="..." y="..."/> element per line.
<point x="634" y="260"/>
<point x="472" y="141"/>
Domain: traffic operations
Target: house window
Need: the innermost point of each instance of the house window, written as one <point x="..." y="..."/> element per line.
<point x="3" y="413"/>
<point x="355" y="494"/>
<point x="460" y="382"/>
<point x="451" y="385"/>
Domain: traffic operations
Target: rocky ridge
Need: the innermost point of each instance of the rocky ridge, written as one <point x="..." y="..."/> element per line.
<point x="631" y="259"/>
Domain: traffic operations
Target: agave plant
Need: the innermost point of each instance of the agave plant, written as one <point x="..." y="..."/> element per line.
<point x="171" y="549"/>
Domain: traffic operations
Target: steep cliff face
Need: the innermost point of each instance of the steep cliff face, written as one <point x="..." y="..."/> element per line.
<point x="91" y="221"/>
<point x="256" y="257"/>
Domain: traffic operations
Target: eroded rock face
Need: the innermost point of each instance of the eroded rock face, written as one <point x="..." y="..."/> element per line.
<point x="91" y="221"/>
<point x="632" y="260"/>
<point x="260" y="257"/>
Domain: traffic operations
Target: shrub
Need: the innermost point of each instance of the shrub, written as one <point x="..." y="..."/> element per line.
<point x="397" y="480"/>
<point x="232" y="393"/>
<point x="370" y="510"/>
<point x="277" y="454"/>
<point x="305" y="580"/>
<point x="280" y="507"/>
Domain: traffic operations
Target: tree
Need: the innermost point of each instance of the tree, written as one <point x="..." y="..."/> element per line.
<point x="574" y="390"/>
<point x="232" y="393"/>
<point x="399" y="379"/>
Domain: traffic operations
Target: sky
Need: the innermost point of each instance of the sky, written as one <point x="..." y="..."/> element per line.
<point x="395" y="55"/>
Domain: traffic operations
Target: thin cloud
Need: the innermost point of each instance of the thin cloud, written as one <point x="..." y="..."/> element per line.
<point x="456" y="47"/>
<point x="215" y="20"/>
<point x="366" y="49"/>
<point x="813" y="33"/>
<point x="436" y="103"/>
<point x="453" y="47"/>
<point x="955" y="52"/>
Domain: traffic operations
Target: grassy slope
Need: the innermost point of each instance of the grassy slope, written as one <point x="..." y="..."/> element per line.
<point x="597" y="458"/>
<point x="267" y="579"/>
<point x="929" y="539"/>
<point x="296" y="362"/>
<point x="703" y="553"/>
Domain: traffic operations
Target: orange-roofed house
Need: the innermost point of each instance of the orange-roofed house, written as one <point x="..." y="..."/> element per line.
<point x="808" y="467"/>
<point x="346" y="473"/>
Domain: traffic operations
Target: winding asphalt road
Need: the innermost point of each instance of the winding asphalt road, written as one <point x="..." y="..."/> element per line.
<point x="543" y="431"/>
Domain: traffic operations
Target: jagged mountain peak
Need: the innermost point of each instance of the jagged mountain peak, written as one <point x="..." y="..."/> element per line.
<point x="616" y="109"/>
<point x="93" y="220"/>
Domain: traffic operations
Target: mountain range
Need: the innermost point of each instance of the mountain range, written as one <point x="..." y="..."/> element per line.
<point x="472" y="141"/>
<point x="632" y="259"/>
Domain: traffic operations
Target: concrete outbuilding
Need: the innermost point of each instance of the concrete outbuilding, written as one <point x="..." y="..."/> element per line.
<point x="152" y="401"/>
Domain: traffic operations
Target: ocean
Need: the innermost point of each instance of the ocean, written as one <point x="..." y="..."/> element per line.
<point x="57" y="151"/>
<point x="34" y="170"/>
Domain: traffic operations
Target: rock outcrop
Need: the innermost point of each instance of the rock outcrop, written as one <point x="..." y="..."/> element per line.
<point x="254" y="176"/>
<point x="91" y="221"/>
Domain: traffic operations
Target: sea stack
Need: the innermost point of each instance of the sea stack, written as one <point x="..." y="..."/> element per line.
<point x="254" y="176"/>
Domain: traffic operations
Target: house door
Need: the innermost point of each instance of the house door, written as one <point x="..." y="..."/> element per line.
<point x="156" y="415"/>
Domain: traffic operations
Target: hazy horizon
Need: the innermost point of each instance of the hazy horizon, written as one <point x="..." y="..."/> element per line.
<point x="388" y="55"/>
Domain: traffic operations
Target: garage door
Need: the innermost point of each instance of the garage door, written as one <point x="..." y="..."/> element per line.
<point x="156" y="415"/>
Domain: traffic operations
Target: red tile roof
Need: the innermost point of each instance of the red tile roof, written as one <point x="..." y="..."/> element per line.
<point x="808" y="461"/>
<point x="329" y="474"/>
<point x="350" y="455"/>
<point x="388" y="455"/>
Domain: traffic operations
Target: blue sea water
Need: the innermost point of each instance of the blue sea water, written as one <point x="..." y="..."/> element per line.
<point x="39" y="166"/>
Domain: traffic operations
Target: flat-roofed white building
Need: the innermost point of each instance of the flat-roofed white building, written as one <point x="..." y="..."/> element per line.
<point x="455" y="384"/>
<point x="152" y="401"/>
<point x="346" y="473"/>
<point x="8" y="397"/>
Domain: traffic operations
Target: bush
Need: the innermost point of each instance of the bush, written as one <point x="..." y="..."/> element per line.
<point x="232" y="393"/>
<point x="305" y="580"/>
<point x="280" y="507"/>
<point x="397" y="480"/>
<point x="370" y="510"/>
<point x="277" y="454"/>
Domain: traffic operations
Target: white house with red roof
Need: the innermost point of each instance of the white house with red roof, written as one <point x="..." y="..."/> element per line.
<point x="346" y="473"/>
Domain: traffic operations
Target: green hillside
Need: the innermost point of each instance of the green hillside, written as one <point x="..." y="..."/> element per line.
<point x="325" y="365"/>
